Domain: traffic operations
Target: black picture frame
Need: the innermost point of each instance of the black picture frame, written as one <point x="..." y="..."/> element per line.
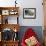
<point x="29" y="13"/>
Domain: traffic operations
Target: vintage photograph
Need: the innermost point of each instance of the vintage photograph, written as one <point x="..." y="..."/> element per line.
<point x="29" y="13"/>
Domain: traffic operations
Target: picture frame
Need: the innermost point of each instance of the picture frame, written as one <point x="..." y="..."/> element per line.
<point x="29" y="13"/>
<point x="5" y="12"/>
<point x="13" y="20"/>
<point x="13" y="12"/>
<point x="10" y="20"/>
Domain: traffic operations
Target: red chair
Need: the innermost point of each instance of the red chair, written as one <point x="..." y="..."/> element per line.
<point x="29" y="33"/>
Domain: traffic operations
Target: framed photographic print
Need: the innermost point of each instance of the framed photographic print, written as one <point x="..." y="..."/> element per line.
<point x="29" y="13"/>
<point x="13" y="20"/>
<point x="13" y="12"/>
<point x="5" y="12"/>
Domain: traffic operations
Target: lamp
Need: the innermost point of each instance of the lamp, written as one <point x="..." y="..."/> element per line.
<point x="15" y="3"/>
<point x="15" y="37"/>
<point x="15" y="30"/>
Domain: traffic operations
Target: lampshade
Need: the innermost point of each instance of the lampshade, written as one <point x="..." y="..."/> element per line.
<point x="15" y="30"/>
<point x="15" y="3"/>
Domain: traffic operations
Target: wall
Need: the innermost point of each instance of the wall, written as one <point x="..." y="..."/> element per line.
<point x="39" y="12"/>
<point x="27" y="4"/>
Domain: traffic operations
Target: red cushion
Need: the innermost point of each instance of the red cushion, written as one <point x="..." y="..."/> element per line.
<point x="29" y="33"/>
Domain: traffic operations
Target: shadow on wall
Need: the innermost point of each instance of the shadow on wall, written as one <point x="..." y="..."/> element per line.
<point x="37" y="29"/>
